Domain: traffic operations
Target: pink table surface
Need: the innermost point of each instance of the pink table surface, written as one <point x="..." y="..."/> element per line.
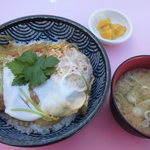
<point x="102" y="132"/>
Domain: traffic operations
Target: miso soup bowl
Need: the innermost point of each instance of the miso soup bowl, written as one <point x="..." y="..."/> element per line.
<point x="142" y="61"/>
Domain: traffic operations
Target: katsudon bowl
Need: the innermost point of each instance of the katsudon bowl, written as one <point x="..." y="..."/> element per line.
<point x="32" y="29"/>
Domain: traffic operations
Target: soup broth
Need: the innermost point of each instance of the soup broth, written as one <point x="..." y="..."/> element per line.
<point x="132" y="97"/>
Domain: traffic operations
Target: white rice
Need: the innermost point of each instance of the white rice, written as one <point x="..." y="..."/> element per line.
<point x="30" y="127"/>
<point x="36" y="42"/>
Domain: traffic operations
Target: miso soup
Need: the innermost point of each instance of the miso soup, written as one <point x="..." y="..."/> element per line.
<point x="132" y="96"/>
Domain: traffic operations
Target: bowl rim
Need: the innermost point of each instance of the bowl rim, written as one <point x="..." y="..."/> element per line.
<point x="106" y="41"/>
<point x="6" y="140"/>
<point x="112" y="95"/>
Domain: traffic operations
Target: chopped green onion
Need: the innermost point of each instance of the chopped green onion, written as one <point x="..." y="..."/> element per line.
<point x="29" y="100"/>
<point x="46" y="117"/>
<point x="38" y="111"/>
<point x="4" y="59"/>
<point x="87" y="85"/>
<point x="27" y="110"/>
<point x="6" y="37"/>
<point x="147" y="114"/>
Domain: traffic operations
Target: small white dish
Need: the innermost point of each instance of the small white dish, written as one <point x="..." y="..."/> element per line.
<point x="116" y="17"/>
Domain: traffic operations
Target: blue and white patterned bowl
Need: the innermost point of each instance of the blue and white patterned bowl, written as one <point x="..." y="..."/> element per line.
<point x="53" y="28"/>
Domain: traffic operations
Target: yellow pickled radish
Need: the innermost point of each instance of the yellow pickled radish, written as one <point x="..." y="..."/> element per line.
<point x="110" y="31"/>
<point x="103" y="23"/>
<point x="107" y="34"/>
<point x="119" y="30"/>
